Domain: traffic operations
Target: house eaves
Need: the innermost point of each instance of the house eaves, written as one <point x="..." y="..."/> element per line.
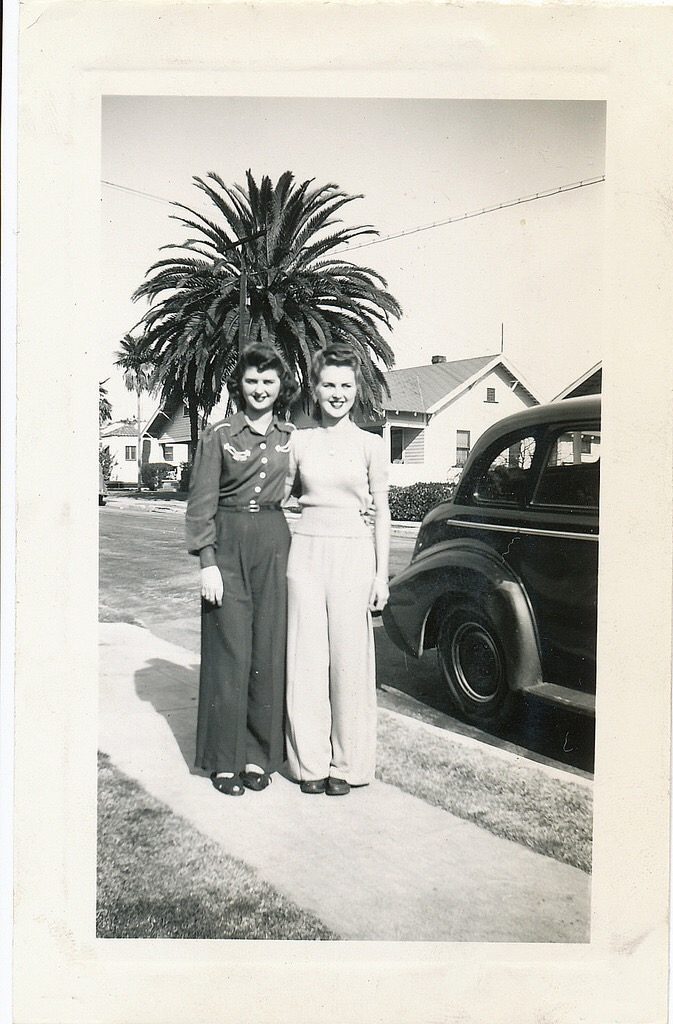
<point x="161" y="417"/>
<point x="578" y="383"/>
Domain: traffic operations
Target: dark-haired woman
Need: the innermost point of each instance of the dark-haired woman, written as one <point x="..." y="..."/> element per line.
<point x="336" y="577"/>
<point x="236" y="527"/>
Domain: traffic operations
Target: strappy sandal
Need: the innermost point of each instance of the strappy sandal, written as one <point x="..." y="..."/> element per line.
<point x="230" y="785"/>
<point x="255" y="780"/>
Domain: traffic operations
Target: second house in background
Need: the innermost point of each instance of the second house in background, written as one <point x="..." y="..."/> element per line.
<point x="436" y="413"/>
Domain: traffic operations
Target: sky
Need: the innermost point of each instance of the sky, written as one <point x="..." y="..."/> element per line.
<point x="536" y="268"/>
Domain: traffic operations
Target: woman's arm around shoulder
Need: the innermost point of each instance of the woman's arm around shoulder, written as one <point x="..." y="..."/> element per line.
<point x="292" y="466"/>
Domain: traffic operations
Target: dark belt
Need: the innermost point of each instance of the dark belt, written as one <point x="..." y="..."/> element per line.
<point x="252" y="506"/>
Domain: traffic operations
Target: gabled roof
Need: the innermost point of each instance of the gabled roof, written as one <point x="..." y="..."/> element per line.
<point x="161" y="416"/>
<point x="172" y="414"/>
<point x="120" y="429"/>
<point x="427" y="388"/>
<point x="590" y="383"/>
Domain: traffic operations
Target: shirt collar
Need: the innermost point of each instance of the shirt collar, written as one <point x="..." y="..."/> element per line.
<point x="238" y="423"/>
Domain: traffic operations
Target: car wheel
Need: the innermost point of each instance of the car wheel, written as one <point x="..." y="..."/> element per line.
<point x="472" y="660"/>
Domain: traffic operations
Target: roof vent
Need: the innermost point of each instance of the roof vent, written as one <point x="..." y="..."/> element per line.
<point x="438" y="359"/>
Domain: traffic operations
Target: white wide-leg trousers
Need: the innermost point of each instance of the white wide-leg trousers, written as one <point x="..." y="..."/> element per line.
<point x="331" y="671"/>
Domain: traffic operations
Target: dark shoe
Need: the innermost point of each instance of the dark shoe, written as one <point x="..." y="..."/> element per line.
<point x="255" y="780"/>
<point x="231" y="786"/>
<point x="337" y="787"/>
<point x="313" y="786"/>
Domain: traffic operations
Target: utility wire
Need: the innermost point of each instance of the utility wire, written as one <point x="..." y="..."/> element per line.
<point x="425" y="227"/>
<point x="136" y="192"/>
<point x="480" y="213"/>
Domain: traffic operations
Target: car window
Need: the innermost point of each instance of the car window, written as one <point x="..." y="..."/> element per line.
<point x="571" y="474"/>
<point x="505" y="478"/>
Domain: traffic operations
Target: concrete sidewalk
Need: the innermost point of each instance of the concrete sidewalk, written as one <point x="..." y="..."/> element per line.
<point x="378" y="864"/>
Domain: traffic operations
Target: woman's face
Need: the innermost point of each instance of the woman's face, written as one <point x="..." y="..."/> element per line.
<point x="260" y="389"/>
<point x="336" y="392"/>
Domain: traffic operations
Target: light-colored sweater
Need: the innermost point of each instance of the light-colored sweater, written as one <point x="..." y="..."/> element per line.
<point x="339" y="472"/>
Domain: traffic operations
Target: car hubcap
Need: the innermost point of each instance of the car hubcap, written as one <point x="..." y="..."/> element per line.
<point x="476" y="662"/>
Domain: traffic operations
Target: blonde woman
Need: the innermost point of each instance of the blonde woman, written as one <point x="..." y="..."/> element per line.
<point x="336" y="577"/>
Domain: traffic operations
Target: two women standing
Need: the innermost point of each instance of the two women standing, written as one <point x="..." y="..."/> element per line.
<point x="335" y="578"/>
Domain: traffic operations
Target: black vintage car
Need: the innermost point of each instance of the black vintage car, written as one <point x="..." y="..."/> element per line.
<point x="503" y="579"/>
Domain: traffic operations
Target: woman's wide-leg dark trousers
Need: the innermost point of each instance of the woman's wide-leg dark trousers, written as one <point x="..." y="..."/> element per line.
<point x="242" y="686"/>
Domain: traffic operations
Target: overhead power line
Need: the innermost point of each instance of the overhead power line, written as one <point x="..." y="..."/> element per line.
<point x="135" y="191"/>
<point x="480" y="213"/>
<point x="425" y="227"/>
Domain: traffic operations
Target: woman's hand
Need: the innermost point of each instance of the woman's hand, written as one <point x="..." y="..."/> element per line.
<point x="378" y="597"/>
<point x="212" y="587"/>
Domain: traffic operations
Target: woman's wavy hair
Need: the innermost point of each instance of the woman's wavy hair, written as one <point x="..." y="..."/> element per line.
<point x="263" y="357"/>
<point x="336" y="355"/>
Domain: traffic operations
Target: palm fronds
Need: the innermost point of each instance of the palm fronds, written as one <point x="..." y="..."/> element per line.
<point x="300" y="297"/>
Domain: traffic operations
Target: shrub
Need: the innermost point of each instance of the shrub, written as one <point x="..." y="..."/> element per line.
<point x="185" y="473"/>
<point x="414" y="502"/>
<point x="107" y="462"/>
<point x="155" y="472"/>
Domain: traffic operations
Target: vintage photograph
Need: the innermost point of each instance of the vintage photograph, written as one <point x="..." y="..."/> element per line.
<point x="350" y="375"/>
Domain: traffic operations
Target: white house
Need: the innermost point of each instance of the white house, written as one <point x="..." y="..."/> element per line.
<point x="436" y="412"/>
<point x="121" y="438"/>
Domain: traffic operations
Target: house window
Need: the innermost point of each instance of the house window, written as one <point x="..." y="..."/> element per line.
<point x="130" y="455"/>
<point x="462" y="446"/>
<point x="185" y="410"/>
<point x="406" y="445"/>
<point x="490" y="394"/>
<point x="168" y="452"/>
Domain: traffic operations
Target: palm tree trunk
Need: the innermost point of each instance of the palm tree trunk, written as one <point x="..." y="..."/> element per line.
<point x="139" y="449"/>
<point x="193" y="425"/>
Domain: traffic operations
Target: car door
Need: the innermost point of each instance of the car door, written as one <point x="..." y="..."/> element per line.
<point x="556" y="555"/>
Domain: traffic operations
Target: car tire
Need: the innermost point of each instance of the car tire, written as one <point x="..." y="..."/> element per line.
<point x="473" y="662"/>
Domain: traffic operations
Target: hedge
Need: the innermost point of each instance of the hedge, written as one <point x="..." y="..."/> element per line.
<point x="155" y="472"/>
<point x="412" y="503"/>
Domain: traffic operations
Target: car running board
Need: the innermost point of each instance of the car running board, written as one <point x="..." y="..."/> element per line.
<point x="576" y="700"/>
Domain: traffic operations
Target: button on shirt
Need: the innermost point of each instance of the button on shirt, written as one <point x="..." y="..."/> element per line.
<point x="234" y="466"/>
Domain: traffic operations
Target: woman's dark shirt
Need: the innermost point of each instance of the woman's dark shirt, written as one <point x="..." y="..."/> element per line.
<point x="233" y="466"/>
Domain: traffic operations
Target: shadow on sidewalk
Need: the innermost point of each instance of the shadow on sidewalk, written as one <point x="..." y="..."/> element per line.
<point x="173" y="690"/>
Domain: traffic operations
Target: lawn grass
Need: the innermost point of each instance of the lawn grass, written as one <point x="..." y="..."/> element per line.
<point x="525" y="804"/>
<point x="158" y="877"/>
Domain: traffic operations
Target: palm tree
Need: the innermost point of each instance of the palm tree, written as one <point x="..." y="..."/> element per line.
<point x="134" y="359"/>
<point x="267" y="265"/>
<point x="104" y="406"/>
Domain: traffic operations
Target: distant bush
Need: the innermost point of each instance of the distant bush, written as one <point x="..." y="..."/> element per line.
<point x="106" y="461"/>
<point x="414" y="502"/>
<point x="155" y="472"/>
<point x="185" y="473"/>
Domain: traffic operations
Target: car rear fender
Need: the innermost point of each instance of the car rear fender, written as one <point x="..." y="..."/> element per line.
<point x="428" y="587"/>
